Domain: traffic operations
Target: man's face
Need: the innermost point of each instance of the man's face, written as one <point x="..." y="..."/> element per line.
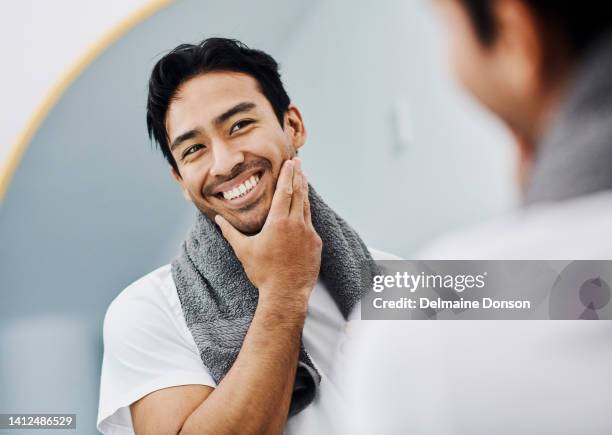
<point x="229" y="146"/>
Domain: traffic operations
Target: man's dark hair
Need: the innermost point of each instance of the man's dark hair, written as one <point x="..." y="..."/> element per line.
<point x="580" y="22"/>
<point x="213" y="54"/>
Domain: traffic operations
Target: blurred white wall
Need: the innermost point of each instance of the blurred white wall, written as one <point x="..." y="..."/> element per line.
<point x="40" y="40"/>
<point x="394" y="144"/>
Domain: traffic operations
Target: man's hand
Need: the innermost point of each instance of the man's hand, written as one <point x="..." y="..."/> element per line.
<point x="283" y="260"/>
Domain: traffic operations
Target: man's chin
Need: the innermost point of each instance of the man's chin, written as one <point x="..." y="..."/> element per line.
<point x="249" y="225"/>
<point x="248" y="220"/>
<point x="249" y="228"/>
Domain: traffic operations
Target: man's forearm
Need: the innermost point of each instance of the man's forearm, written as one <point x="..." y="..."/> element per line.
<point x="254" y="396"/>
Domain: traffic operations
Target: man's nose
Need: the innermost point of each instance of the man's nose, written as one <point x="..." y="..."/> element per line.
<point x="224" y="159"/>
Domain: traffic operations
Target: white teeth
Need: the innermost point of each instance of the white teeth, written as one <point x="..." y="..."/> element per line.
<point x="242" y="189"/>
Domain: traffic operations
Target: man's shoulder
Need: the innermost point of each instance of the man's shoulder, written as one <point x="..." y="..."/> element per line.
<point x="150" y="286"/>
<point x="149" y="297"/>
<point x="147" y="347"/>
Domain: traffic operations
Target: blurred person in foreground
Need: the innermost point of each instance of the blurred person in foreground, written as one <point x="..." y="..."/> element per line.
<point x="545" y="68"/>
<point x="237" y="334"/>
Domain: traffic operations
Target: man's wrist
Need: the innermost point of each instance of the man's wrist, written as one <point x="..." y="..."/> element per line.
<point x="291" y="305"/>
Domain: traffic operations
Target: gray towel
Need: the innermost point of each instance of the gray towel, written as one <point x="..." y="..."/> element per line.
<point x="219" y="301"/>
<point x="575" y="156"/>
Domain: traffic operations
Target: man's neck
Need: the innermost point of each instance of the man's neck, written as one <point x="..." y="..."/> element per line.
<point x="546" y="104"/>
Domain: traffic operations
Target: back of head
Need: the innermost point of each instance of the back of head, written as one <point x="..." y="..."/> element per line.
<point x="578" y="23"/>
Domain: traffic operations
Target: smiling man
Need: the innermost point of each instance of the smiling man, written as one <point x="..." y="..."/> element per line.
<point x="238" y="333"/>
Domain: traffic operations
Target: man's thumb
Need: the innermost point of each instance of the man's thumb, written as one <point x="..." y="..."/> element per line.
<point x="231" y="234"/>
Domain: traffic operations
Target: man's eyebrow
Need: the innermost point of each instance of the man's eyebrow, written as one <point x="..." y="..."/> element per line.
<point x="183" y="137"/>
<point x="238" y="108"/>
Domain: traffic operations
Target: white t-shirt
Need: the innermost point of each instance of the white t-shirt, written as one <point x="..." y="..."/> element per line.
<point x="147" y="347"/>
<point x="492" y="377"/>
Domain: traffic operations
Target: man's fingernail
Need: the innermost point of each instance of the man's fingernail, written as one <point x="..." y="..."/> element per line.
<point x="218" y="219"/>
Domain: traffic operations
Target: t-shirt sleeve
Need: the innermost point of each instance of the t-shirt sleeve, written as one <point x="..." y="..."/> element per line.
<point x="147" y="347"/>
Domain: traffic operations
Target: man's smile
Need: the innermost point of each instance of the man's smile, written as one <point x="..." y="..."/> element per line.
<point x="243" y="190"/>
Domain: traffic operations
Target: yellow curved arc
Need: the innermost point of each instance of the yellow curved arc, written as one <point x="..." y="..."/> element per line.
<point x="23" y="140"/>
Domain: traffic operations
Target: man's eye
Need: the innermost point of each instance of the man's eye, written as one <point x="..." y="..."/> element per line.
<point x="240" y="124"/>
<point x="192" y="149"/>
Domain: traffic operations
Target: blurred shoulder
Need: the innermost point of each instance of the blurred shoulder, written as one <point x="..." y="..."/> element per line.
<point x="555" y="230"/>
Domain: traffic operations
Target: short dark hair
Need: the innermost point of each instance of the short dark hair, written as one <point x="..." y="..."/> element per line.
<point x="580" y="22"/>
<point x="213" y="54"/>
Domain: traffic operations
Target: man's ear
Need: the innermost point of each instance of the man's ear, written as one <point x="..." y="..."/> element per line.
<point x="179" y="180"/>
<point x="294" y="127"/>
<point x="520" y="40"/>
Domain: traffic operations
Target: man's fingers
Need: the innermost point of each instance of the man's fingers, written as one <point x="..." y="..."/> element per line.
<point x="297" y="201"/>
<point x="281" y="201"/>
<point x="231" y="234"/>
